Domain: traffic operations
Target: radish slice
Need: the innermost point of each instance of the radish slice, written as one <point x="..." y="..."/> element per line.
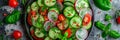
<point x="81" y="33"/>
<point x="52" y="15"/>
<point x="48" y="25"/>
<point x="81" y="4"/>
<point x="60" y="6"/>
<point x="84" y="11"/>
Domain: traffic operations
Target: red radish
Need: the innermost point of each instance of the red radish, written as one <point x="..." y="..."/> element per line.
<point x="118" y="20"/>
<point x="13" y="3"/>
<point x="17" y="34"/>
<point x="81" y="33"/>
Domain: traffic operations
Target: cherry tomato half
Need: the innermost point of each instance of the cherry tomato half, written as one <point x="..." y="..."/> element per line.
<point x="69" y="31"/>
<point x="86" y="19"/>
<point x="61" y="17"/>
<point x="17" y="34"/>
<point x="46" y="18"/>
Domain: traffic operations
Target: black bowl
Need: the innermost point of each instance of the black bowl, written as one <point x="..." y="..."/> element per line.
<point x="27" y="26"/>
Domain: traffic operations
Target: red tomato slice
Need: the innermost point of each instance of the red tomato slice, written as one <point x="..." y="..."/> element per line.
<point x="60" y="1"/>
<point x="46" y="18"/>
<point x="61" y="17"/>
<point x="13" y="3"/>
<point x="57" y="22"/>
<point x="60" y="26"/>
<point x="43" y="12"/>
<point x="33" y="13"/>
<point x="86" y="19"/>
<point x="69" y="32"/>
<point x="29" y="19"/>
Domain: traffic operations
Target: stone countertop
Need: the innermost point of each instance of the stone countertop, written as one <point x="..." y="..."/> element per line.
<point x="95" y="33"/>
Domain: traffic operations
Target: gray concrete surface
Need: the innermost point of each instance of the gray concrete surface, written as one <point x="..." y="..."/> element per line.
<point x="95" y="33"/>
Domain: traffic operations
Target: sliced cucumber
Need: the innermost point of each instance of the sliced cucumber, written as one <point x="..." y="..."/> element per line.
<point x="76" y="22"/>
<point x="32" y="28"/>
<point x="28" y="9"/>
<point x="80" y="4"/>
<point x="69" y="12"/>
<point x="73" y="1"/>
<point x="81" y="33"/>
<point x="54" y="33"/>
<point x="38" y="22"/>
<point x="49" y="3"/>
<point x="55" y="9"/>
<point x="40" y="3"/>
<point x="84" y="11"/>
<point x="47" y="38"/>
<point x="39" y="33"/>
<point x="34" y="6"/>
<point x="52" y="16"/>
<point x="63" y="25"/>
<point x="67" y="3"/>
<point x="88" y="26"/>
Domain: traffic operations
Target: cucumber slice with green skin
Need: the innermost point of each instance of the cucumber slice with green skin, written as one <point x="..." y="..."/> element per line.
<point x="34" y="6"/>
<point x="39" y="33"/>
<point x="52" y="16"/>
<point x="68" y="3"/>
<point x="49" y="3"/>
<point x="55" y="9"/>
<point x="69" y="12"/>
<point x="54" y="33"/>
<point x="73" y="1"/>
<point x="40" y="3"/>
<point x="88" y="26"/>
<point x="47" y="38"/>
<point x="80" y="4"/>
<point x="38" y="22"/>
<point x="63" y="25"/>
<point x="28" y="9"/>
<point x="76" y="22"/>
<point x="32" y="28"/>
<point x="48" y="25"/>
<point x="81" y="34"/>
<point x="84" y="11"/>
